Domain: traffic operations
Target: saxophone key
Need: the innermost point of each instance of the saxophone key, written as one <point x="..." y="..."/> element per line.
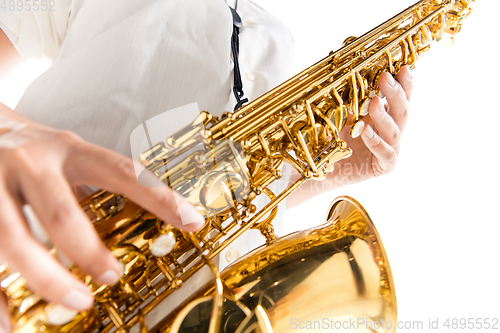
<point x="357" y="129"/>
<point x="365" y="105"/>
<point x="163" y="244"/>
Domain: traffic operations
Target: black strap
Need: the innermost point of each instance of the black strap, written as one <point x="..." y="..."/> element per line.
<point x="235" y="48"/>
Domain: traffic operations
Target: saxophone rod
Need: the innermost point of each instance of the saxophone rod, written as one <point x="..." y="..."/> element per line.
<point x="305" y="76"/>
<point x="378" y="54"/>
<point x="236" y="131"/>
<point x="253" y="221"/>
<point x="213" y="253"/>
<point x="374" y="33"/>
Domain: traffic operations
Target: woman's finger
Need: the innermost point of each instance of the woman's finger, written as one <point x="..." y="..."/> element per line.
<point x="405" y="78"/>
<point x="32" y="260"/>
<point x="385" y="154"/>
<point x="387" y="128"/>
<point x="4" y="315"/>
<point x="396" y="98"/>
<point x="106" y="169"/>
<point x="67" y="226"/>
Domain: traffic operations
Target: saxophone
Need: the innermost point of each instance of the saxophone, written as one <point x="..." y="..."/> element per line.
<point x="336" y="275"/>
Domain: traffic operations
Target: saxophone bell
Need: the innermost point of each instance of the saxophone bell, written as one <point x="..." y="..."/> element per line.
<point x="282" y="284"/>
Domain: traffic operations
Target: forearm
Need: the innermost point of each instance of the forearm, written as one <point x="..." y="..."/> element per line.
<point x="9" y="57"/>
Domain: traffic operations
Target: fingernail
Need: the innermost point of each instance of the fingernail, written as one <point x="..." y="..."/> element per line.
<point x="146" y="178"/>
<point x="410" y="75"/>
<point x="121" y="267"/>
<point x="190" y="215"/>
<point x="110" y="277"/>
<point x="78" y="300"/>
<point x="390" y="80"/>
<point x="381" y="108"/>
<point x="58" y="315"/>
<point x="369" y="133"/>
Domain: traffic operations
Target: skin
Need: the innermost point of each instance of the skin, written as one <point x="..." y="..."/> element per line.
<point x="42" y="166"/>
<point x="53" y="187"/>
<point x="10" y="57"/>
<point x="376" y="151"/>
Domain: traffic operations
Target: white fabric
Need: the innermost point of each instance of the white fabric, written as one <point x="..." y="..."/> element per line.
<point x="117" y="64"/>
<point x="36" y="33"/>
<point x="121" y="63"/>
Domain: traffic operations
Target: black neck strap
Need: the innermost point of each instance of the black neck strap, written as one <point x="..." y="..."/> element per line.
<point x="235" y="48"/>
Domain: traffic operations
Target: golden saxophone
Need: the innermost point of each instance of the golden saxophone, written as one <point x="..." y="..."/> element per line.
<point x="336" y="275"/>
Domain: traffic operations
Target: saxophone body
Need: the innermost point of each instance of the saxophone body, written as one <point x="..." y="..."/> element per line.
<point x="336" y="275"/>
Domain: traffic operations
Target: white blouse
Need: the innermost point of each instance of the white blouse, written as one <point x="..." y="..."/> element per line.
<point x="118" y="64"/>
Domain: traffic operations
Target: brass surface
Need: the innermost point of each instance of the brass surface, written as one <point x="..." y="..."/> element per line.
<point x="338" y="271"/>
<point x="221" y="165"/>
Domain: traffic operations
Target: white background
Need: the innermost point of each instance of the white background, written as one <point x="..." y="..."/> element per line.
<point x="437" y="213"/>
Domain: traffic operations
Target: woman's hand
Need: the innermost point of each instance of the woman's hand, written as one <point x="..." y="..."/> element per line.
<point x="40" y="166"/>
<point x="375" y="153"/>
<point x="378" y="152"/>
